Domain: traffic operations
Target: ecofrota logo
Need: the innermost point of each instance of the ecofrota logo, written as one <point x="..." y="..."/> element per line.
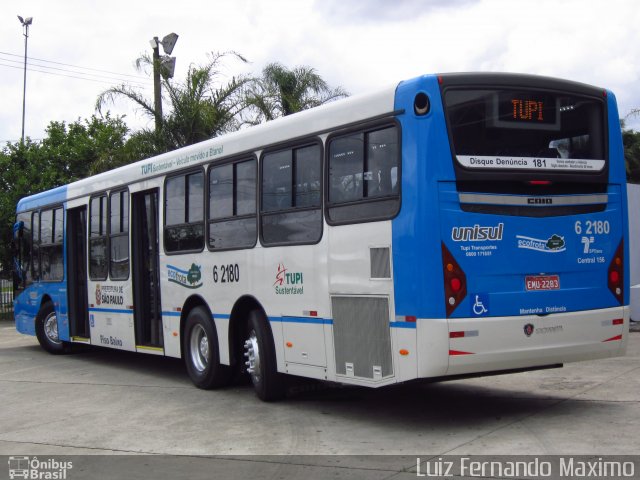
<point x="553" y="244"/>
<point x="187" y="278"/>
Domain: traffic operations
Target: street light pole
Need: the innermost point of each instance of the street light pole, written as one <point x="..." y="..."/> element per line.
<point x="157" y="95"/>
<point x="25" y="23"/>
<point x="161" y="66"/>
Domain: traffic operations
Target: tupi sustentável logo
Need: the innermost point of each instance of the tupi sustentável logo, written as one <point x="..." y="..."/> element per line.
<point x="288" y="283"/>
<point x="33" y="468"/>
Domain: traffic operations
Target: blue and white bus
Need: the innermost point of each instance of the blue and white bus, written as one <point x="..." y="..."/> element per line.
<point x="449" y="225"/>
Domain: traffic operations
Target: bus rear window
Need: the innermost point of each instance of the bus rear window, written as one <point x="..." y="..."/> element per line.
<point x="505" y="129"/>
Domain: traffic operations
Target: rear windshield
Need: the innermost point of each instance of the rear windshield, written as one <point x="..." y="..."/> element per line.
<point x="507" y="129"/>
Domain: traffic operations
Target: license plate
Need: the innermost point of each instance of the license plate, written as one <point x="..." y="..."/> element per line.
<point x="542" y="282"/>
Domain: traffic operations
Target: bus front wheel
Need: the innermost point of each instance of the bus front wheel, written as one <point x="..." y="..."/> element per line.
<point x="47" y="330"/>
<point x="259" y="351"/>
<point x="202" y="356"/>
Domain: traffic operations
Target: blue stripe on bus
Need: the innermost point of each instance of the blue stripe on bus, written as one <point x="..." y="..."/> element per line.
<point x="320" y="321"/>
<point x="110" y="310"/>
<point x="403" y="324"/>
<point x="171" y="314"/>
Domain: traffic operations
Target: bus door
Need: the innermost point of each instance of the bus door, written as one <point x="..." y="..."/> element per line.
<point x="77" y="272"/>
<point x="146" y="272"/>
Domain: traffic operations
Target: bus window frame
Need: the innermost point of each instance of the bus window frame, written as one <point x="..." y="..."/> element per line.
<point x="292" y="145"/>
<point x="51" y="243"/>
<point x="364" y="129"/>
<point x="122" y="234"/>
<point x="185" y="173"/>
<point x="236" y="159"/>
<point x="104" y="194"/>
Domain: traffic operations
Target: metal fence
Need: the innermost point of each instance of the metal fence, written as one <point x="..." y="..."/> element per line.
<point x="6" y="300"/>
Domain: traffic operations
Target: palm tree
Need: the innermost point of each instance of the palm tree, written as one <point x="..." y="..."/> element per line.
<point x="281" y="91"/>
<point x="201" y="107"/>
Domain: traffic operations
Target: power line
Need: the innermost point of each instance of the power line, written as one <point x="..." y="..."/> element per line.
<point x="137" y="82"/>
<point x="74" y="66"/>
<point x="63" y="75"/>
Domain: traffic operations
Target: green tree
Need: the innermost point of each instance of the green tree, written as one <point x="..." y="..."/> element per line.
<point x="203" y="106"/>
<point x="67" y="153"/>
<point x="631" y="142"/>
<point x="281" y="91"/>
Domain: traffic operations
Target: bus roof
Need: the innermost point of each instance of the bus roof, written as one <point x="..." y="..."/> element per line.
<point x="309" y="122"/>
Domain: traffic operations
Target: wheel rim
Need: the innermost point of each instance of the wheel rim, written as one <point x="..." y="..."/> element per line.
<point x="51" y="328"/>
<point x="252" y="352"/>
<point x="199" y="348"/>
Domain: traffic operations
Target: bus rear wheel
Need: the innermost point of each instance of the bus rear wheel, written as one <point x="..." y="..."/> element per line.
<point x="259" y="351"/>
<point x="201" y="353"/>
<point x="47" y="330"/>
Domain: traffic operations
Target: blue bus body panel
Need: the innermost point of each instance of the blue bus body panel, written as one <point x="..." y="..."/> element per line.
<point x="415" y="236"/>
<point x="28" y="303"/>
<point x="495" y="270"/>
<point x="56" y="195"/>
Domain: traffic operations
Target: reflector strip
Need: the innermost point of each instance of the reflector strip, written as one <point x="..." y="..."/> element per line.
<point x="468" y="333"/>
<point x="612" y="339"/>
<point x="457" y="352"/>
<point x="406" y="318"/>
<point x="618" y="321"/>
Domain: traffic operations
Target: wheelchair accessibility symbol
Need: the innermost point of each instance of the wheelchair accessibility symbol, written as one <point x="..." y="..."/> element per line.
<point x="481" y="305"/>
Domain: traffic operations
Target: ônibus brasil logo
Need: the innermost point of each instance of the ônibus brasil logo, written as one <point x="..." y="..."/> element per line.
<point x="288" y="283"/>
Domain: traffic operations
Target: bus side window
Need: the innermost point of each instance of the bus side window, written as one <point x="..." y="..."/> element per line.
<point x="232" y="206"/>
<point x="51" y="239"/>
<point x="98" y="254"/>
<point x="119" y="235"/>
<point x="291" y="200"/>
<point x="184" y="213"/>
<point x="35" y="242"/>
<point x="24" y="245"/>
<point x="364" y="180"/>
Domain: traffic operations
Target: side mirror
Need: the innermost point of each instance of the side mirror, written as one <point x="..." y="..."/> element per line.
<point x="18" y="230"/>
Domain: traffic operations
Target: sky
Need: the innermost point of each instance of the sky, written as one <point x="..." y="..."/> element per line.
<point x="361" y="45"/>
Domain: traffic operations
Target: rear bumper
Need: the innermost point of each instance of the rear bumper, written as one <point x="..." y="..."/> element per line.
<point x="503" y="343"/>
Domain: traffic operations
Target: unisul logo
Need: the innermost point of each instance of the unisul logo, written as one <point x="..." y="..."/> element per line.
<point x="477" y="233"/>
<point x="49" y="469"/>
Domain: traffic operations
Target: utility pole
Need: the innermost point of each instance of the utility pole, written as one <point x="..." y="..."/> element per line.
<point x="25" y="23"/>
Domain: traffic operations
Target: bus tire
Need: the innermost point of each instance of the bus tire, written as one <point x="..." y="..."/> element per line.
<point x="259" y="351"/>
<point x="47" y="330"/>
<point x="201" y="352"/>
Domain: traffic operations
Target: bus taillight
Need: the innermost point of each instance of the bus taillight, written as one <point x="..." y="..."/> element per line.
<point x="455" y="281"/>
<point x="615" y="276"/>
